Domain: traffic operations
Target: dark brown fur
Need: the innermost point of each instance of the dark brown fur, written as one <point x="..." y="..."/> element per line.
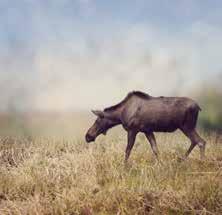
<point x="140" y="112"/>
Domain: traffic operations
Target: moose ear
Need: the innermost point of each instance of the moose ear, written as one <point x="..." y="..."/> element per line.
<point x="98" y="113"/>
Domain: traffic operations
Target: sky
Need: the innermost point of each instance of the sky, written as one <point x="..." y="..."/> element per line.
<point x="68" y="55"/>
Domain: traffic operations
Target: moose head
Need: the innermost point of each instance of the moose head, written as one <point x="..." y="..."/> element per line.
<point x="103" y="122"/>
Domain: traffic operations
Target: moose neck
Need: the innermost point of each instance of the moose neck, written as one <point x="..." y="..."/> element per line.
<point x="114" y="114"/>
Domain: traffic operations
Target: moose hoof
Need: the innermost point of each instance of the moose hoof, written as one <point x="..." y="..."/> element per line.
<point x="181" y="159"/>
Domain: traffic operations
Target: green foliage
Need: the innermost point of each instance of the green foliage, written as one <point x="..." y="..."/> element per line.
<point x="211" y="115"/>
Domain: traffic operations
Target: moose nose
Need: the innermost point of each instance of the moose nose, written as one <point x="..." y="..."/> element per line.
<point x="89" y="138"/>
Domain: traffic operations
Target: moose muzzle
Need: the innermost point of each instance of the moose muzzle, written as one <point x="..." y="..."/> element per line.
<point x="89" y="138"/>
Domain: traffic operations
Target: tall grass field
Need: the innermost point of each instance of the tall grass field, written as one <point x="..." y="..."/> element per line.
<point x="48" y="175"/>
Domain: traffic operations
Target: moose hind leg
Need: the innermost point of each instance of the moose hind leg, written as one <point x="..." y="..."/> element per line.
<point x="151" y="138"/>
<point x="195" y="140"/>
<point x="202" y="145"/>
<point x="193" y="144"/>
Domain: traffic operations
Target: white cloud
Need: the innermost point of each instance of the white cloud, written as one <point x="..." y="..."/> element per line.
<point x="98" y="71"/>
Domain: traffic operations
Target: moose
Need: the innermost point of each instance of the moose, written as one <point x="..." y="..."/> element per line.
<point x="140" y="112"/>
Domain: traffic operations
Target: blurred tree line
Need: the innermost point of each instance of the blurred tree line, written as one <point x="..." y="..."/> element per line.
<point x="210" y="101"/>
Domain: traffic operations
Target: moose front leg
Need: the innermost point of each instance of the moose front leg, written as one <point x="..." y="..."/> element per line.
<point x="131" y="140"/>
<point x="151" y="138"/>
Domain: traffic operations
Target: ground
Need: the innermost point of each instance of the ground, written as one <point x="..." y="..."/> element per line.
<point x="52" y="176"/>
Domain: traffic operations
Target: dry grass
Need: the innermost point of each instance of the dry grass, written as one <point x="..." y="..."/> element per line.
<point x="46" y="176"/>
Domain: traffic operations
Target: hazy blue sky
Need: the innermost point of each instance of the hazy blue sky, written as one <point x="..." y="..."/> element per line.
<point x="67" y="54"/>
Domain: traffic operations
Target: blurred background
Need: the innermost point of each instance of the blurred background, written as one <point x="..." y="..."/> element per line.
<point x="61" y="58"/>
